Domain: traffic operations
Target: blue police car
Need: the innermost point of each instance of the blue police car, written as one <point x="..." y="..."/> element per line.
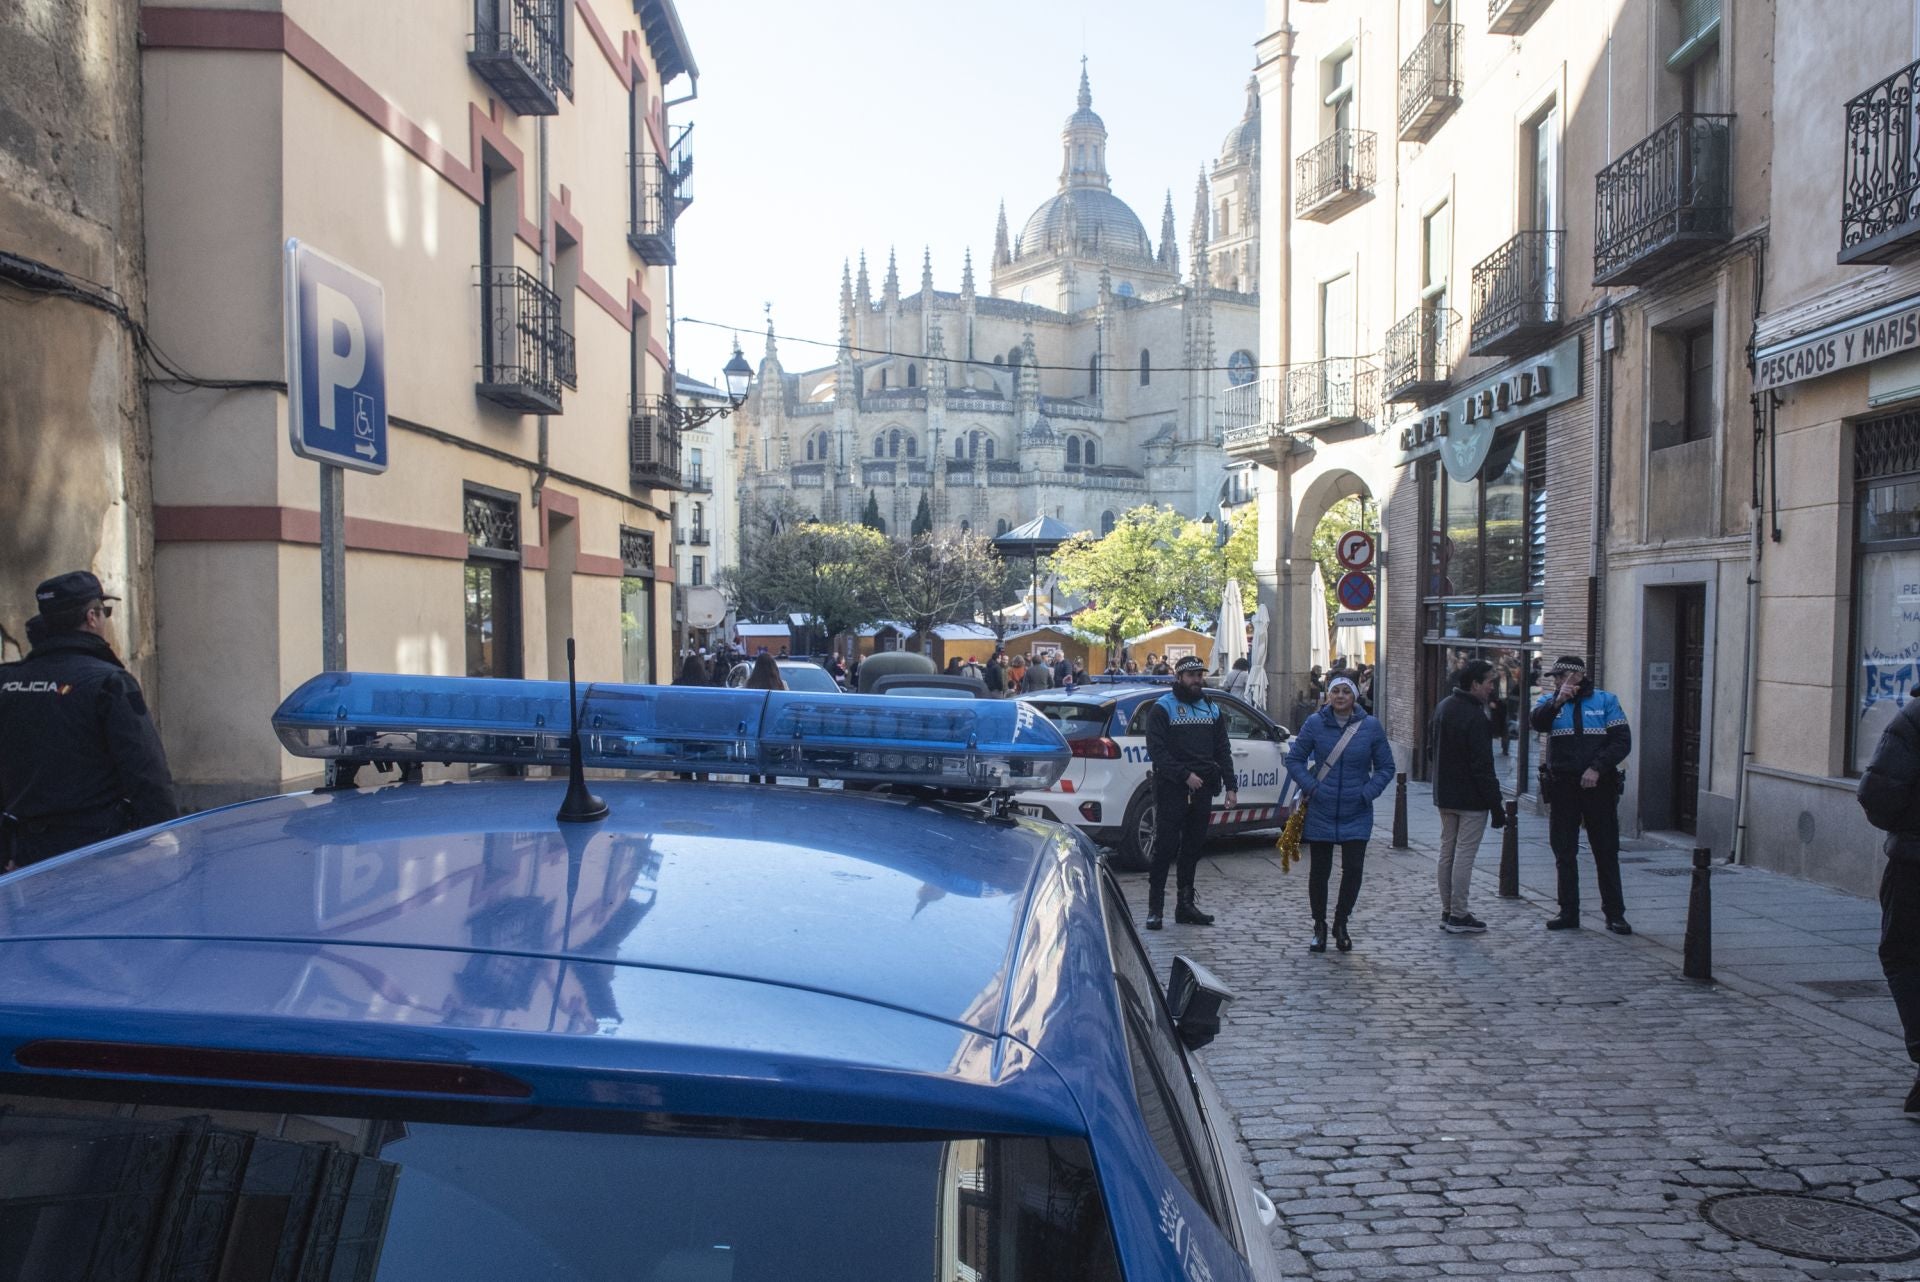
<point x="681" y="1031"/>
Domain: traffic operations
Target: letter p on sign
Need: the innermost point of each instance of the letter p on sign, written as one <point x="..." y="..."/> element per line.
<point x="336" y="362"/>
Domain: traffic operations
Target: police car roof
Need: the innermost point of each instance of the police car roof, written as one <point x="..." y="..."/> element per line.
<point x="745" y="927"/>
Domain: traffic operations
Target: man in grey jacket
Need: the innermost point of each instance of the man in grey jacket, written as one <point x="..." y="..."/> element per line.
<point x="1890" y="794"/>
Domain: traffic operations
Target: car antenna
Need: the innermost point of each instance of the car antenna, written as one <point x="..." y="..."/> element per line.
<point x="580" y="806"/>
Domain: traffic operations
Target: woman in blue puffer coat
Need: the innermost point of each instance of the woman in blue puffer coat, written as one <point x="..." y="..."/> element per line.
<point x="1340" y="805"/>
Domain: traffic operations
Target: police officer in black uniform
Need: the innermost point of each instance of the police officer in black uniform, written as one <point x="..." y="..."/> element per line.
<point x="80" y="760"/>
<point x="1192" y="760"/>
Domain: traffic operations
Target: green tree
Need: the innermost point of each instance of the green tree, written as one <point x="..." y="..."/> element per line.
<point x="1155" y="566"/>
<point x="930" y="580"/>
<point x="826" y="573"/>
<point x="870" y="515"/>
<point x="922" y="518"/>
<point x="1347" y="514"/>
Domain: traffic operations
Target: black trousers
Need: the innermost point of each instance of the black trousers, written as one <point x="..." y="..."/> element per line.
<point x="1900" y="945"/>
<point x="1595" y="809"/>
<point x="1180" y="830"/>
<point x="1353" y="859"/>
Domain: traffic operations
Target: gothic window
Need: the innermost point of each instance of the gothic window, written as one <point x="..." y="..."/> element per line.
<point x="809" y="449"/>
<point x="913" y="447"/>
<point x="880" y="445"/>
<point x="989" y="448"/>
<point x="1146" y="367"/>
<point x="1073" y="451"/>
<point x="913" y="376"/>
<point x="966" y="526"/>
<point x="883" y="378"/>
<point x="1000" y="527"/>
<point x="1090" y="454"/>
<point x="893" y="444"/>
<point x="820" y="447"/>
<point x="1106" y="524"/>
<point x="960" y="447"/>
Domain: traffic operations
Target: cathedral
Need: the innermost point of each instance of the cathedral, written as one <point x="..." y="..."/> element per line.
<point x="1087" y="379"/>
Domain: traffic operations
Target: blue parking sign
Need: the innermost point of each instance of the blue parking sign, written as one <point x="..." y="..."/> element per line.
<point x="336" y="362"/>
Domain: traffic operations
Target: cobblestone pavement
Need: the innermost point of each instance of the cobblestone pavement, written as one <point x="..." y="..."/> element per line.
<point x="1523" y="1103"/>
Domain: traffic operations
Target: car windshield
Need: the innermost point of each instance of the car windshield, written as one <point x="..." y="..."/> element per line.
<point x="807" y="676"/>
<point x="305" y="1195"/>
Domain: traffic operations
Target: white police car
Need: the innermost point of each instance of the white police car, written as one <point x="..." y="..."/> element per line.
<point x="1104" y="791"/>
<point x="681" y="1031"/>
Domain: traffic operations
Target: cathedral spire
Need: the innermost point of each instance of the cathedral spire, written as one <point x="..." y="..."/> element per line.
<point x="890" y="290"/>
<point x="846" y="296"/>
<point x="862" y="291"/>
<point x="1002" y="247"/>
<point x="1198" y="231"/>
<point x="966" y="275"/>
<point x="1027" y="387"/>
<point x="1083" y="144"/>
<point x="1169" y="239"/>
<point x="770" y="358"/>
<point x="926" y="276"/>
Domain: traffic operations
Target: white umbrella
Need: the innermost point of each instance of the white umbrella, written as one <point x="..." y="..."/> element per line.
<point x="1256" y="690"/>
<point x="1230" y="632"/>
<point x="1318" y="630"/>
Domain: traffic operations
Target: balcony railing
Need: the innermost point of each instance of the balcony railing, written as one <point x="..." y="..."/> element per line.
<point x="697" y="481"/>
<point x="1430" y="82"/>
<point x="1329" y="392"/>
<point x="564" y="360"/>
<point x="1880" y="214"/>
<point x="1513" y="17"/>
<point x="1419" y="354"/>
<point x="519" y="51"/>
<point x="1251" y="415"/>
<point x="650" y="227"/>
<point x="700" y="538"/>
<point x="1669" y="195"/>
<point x="653" y="447"/>
<point x="520" y="341"/>
<point x="1516" y="294"/>
<point x="1334" y="174"/>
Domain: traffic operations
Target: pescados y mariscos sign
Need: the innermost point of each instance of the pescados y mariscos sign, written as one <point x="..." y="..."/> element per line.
<point x="1462" y="427"/>
<point x="1856" y="341"/>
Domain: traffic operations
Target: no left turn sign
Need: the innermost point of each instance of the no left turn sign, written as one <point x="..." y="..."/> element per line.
<point x="1355" y="549"/>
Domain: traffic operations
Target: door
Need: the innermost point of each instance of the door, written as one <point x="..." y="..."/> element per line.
<point x="1689" y="667"/>
<point x="1256" y="769"/>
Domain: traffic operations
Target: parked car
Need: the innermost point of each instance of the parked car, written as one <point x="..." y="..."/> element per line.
<point x="935" y="685"/>
<point x="1105" y="792"/>
<point x="503" y="1028"/>
<point x="799" y="674"/>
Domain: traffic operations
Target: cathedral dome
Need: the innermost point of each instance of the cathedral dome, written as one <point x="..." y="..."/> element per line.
<point x="1088" y="219"/>
<point x="1243" y="140"/>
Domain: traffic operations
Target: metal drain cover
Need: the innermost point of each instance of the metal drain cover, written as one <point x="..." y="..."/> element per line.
<point x="1814" y="1228"/>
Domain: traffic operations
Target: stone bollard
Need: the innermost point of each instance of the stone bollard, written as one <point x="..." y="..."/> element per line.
<point x="1400" y="811"/>
<point x="1510" y="853"/>
<point x="1697" y="957"/>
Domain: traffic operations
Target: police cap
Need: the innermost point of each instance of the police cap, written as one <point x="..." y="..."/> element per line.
<point x="70" y="591"/>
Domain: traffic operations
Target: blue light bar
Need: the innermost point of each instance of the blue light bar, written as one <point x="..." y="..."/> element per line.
<point x="953" y="744"/>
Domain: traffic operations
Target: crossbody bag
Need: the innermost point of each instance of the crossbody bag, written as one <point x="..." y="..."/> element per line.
<point x="1289" y="842"/>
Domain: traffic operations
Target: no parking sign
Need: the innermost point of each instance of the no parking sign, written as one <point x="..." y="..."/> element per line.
<point x="1355" y="590"/>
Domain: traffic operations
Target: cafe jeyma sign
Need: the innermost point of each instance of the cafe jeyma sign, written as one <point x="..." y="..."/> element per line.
<point x="1462" y="427"/>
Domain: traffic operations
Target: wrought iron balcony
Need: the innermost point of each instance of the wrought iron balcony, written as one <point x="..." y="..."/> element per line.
<point x="650" y="225"/>
<point x="1880" y="214"/>
<point x="1516" y="294"/>
<point x="700" y="538"/>
<point x="1419" y="354"/>
<point x="1335" y="174"/>
<point x="521" y="341"/>
<point x="1671" y="194"/>
<point x="1513" y="17"/>
<point x="653" y="447"/>
<point x="565" y="361"/>
<point x="1251" y="417"/>
<point x="1430" y="82"/>
<point x="1327" y="393"/>
<point x="698" y="482"/>
<point x="519" y="51"/>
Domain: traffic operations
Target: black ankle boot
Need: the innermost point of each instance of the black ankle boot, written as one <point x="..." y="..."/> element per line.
<point x="1341" y="939"/>
<point x="1188" y="913"/>
<point x="1319" y="944"/>
<point x="1156" y="907"/>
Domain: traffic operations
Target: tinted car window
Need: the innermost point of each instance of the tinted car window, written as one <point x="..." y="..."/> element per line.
<point x="1166" y="1088"/>
<point x="93" y="1187"/>
<point x="1242" y="724"/>
<point x="1074" y="720"/>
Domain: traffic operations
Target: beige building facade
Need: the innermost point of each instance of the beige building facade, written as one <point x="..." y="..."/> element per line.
<point x="1512" y="250"/>
<point x="507" y="170"/>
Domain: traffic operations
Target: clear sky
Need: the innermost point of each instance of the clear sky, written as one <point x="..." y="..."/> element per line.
<point x="825" y="128"/>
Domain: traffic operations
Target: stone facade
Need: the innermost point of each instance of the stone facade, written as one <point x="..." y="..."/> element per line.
<point x="1087" y="379"/>
<point x="75" y="491"/>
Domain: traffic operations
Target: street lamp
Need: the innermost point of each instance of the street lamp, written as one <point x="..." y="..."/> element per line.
<point x="738" y="375"/>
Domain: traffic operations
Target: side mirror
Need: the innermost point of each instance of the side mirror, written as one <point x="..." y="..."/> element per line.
<point x="1195" y="999"/>
<point x="1281" y="734"/>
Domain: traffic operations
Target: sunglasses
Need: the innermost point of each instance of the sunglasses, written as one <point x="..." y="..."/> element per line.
<point x="106" y="611"/>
